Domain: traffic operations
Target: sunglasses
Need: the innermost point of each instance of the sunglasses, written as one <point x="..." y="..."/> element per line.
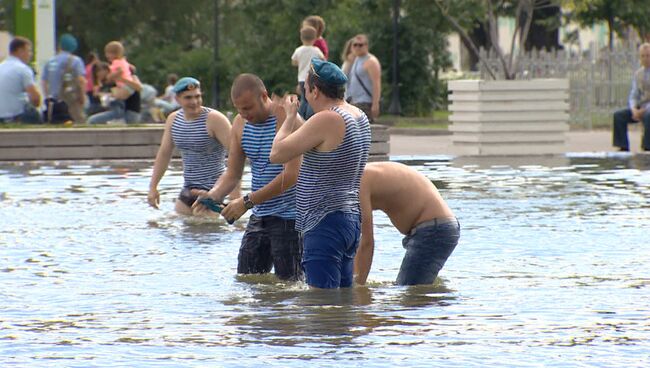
<point x="358" y="44"/>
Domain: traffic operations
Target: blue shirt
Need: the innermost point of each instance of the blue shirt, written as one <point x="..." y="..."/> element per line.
<point x="15" y="77"/>
<point x="54" y="69"/>
<point x="256" y="141"/>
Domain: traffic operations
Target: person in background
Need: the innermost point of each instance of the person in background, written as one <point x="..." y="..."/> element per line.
<point x="417" y="210"/>
<point x="364" y="89"/>
<point x="93" y="102"/>
<point x="64" y="83"/>
<point x="318" y="23"/>
<point x="117" y="109"/>
<point x="638" y="109"/>
<point x="19" y="96"/>
<point x="302" y="59"/>
<point x="347" y="57"/>
<point x="202" y="136"/>
<point x="169" y="94"/>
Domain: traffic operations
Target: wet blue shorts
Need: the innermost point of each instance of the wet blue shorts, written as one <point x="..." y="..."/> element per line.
<point x="428" y="246"/>
<point x="329" y="250"/>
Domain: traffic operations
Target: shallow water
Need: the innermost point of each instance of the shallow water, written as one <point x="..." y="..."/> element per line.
<point x="551" y="270"/>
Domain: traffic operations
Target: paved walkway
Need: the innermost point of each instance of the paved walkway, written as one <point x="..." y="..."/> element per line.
<point x="578" y="141"/>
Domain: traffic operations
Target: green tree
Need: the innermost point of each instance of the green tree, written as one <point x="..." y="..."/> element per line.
<point x="618" y="14"/>
<point x="259" y="36"/>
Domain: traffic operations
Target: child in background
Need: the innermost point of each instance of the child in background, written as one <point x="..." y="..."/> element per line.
<point x="120" y="70"/>
<point x="319" y="24"/>
<point x="302" y="59"/>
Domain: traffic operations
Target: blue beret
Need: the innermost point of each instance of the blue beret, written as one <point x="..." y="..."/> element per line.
<point x="185" y="84"/>
<point x="68" y="43"/>
<point x="328" y="72"/>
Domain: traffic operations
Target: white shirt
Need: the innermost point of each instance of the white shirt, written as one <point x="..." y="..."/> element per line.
<point x="303" y="56"/>
<point x="15" y="77"/>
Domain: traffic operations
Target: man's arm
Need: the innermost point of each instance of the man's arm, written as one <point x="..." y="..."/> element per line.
<point x="34" y="95"/>
<point x="292" y="140"/>
<point x="633" y="98"/>
<point x="163" y="157"/>
<point x="229" y="180"/>
<point x="365" y="252"/>
<point x="219" y="127"/>
<point x="373" y="68"/>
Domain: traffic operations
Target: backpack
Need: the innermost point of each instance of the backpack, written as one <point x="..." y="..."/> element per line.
<point x="70" y="91"/>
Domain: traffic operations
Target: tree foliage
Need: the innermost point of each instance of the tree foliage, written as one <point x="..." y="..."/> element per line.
<point x="259" y="36"/>
<point x="618" y="14"/>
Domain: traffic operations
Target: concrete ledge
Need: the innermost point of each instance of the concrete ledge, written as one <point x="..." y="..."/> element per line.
<point x="418" y="131"/>
<point x="112" y="143"/>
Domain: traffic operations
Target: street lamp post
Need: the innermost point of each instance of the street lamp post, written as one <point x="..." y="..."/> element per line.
<point x="215" y="81"/>
<point x="395" y="108"/>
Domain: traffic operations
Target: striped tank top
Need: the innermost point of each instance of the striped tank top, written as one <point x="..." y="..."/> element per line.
<point x="330" y="181"/>
<point x="256" y="141"/>
<point x="203" y="156"/>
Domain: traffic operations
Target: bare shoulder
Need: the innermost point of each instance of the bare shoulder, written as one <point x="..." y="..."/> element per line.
<point x="238" y="124"/>
<point x="372" y="60"/>
<point x="324" y="119"/>
<point x="170" y="119"/>
<point x="216" y="116"/>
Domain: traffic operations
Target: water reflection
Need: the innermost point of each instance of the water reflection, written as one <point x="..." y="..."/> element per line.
<point x="554" y="254"/>
<point x="289" y="315"/>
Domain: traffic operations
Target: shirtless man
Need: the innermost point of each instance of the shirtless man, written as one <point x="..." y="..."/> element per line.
<point x="417" y="210"/>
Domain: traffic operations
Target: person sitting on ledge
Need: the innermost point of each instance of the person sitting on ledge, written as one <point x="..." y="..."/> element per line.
<point x="638" y="105"/>
<point x="19" y="96"/>
<point x="417" y="210"/>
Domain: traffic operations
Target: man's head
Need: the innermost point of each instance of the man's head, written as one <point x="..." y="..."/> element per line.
<point x="308" y="35"/>
<point x="114" y="50"/>
<point x="644" y="54"/>
<point x="68" y="43"/>
<point x="21" y="48"/>
<point x="360" y="45"/>
<point x="250" y="98"/>
<point x="327" y="78"/>
<point x="188" y="94"/>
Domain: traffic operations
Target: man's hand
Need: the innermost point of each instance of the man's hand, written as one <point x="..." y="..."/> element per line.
<point x="290" y="105"/>
<point x="198" y="208"/>
<point x="374" y="110"/>
<point x="637" y="114"/>
<point x="153" y="197"/>
<point x="234" y="210"/>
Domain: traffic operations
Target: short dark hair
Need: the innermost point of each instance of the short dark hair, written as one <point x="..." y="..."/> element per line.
<point x="18" y="43"/>
<point x="247" y="82"/>
<point x="329" y="90"/>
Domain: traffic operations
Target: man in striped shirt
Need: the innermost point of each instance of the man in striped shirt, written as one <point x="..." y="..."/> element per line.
<point x="334" y="143"/>
<point x="202" y="136"/>
<point x="270" y="240"/>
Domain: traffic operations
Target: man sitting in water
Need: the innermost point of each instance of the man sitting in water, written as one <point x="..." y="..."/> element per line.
<point x="417" y="210"/>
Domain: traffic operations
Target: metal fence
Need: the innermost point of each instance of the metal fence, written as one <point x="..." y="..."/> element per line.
<point x="599" y="80"/>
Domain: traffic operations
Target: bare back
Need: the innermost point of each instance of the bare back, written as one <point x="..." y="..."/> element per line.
<point x="405" y="195"/>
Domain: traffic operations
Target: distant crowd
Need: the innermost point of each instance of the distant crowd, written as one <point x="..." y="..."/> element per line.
<point x="74" y="91"/>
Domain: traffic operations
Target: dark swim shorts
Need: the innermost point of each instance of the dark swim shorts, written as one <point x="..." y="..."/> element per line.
<point x="187" y="197"/>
